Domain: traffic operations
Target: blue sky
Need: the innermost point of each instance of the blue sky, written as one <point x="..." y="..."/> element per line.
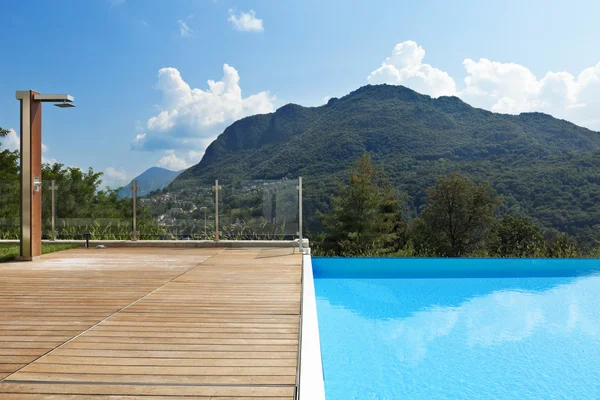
<point x="139" y="68"/>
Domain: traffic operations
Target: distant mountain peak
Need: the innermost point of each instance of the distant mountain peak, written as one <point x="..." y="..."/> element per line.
<point x="393" y="122"/>
<point x="154" y="178"/>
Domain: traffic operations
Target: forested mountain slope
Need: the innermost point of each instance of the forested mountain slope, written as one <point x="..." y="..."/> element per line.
<point x="542" y="166"/>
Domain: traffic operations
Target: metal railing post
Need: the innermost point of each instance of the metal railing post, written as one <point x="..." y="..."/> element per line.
<point x="134" y="189"/>
<point x="216" y="189"/>
<point x="53" y="188"/>
<point x="300" y="244"/>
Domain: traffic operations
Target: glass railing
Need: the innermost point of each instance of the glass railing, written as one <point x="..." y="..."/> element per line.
<point x="186" y="210"/>
<point x="259" y="210"/>
<point x="72" y="209"/>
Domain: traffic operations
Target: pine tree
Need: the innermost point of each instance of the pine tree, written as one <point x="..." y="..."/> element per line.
<point x="365" y="217"/>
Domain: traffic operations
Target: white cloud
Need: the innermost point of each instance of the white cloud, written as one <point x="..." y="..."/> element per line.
<point x="138" y="141"/>
<point x="115" y="177"/>
<point x="173" y="162"/>
<point x="191" y="118"/>
<point x="405" y="67"/>
<point x="513" y="88"/>
<point x="184" y="29"/>
<point x="46" y="160"/>
<point x="498" y="317"/>
<point x="195" y="156"/>
<point x="499" y="87"/>
<point x="246" y="21"/>
<point x="11" y="141"/>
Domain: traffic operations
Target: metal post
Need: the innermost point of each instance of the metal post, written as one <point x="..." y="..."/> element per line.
<point x="216" y="189"/>
<point x="300" y="244"/>
<point x="204" y="223"/>
<point x="134" y="188"/>
<point x="53" y="188"/>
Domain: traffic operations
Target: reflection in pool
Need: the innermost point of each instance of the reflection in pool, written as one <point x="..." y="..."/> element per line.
<point x="435" y="338"/>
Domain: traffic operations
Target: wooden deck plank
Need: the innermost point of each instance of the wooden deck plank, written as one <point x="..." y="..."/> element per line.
<point x="176" y="355"/>
<point x="154" y="370"/>
<point x="220" y="327"/>
<point x="163" y="362"/>
<point x="33" y="396"/>
<point x="286" y="392"/>
<point x="179" y="347"/>
<point x="159" y="379"/>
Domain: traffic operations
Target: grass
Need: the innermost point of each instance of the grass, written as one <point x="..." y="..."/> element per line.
<point x="8" y="252"/>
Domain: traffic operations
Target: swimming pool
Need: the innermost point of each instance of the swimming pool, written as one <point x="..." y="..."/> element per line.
<point x="459" y="328"/>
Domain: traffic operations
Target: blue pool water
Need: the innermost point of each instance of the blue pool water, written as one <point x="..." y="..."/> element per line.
<point x="459" y="329"/>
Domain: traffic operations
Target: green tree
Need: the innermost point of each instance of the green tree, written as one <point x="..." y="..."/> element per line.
<point x="9" y="191"/>
<point x="561" y="245"/>
<point x="516" y="237"/>
<point x="458" y="215"/>
<point x="9" y="162"/>
<point x="365" y="218"/>
<point x="421" y="238"/>
<point x="79" y="195"/>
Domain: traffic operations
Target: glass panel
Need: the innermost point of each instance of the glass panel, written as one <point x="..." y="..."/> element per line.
<point x="183" y="211"/>
<point x="249" y="210"/>
<point x="80" y="209"/>
<point x="259" y="210"/>
<point x="47" y="209"/>
<point x="9" y="209"/>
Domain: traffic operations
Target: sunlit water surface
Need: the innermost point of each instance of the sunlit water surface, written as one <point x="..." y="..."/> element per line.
<point x="484" y="336"/>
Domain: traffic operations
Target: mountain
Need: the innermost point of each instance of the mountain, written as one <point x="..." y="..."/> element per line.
<point x="152" y="179"/>
<point x="543" y="167"/>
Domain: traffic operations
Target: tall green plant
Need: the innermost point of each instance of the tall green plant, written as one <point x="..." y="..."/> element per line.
<point x="458" y="215"/>
<point x="9" y="191"/>
<point x="516" y="237"/>
<point x="365" y="215"/>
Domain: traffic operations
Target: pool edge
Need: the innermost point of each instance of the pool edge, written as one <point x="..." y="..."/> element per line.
<point x="311" y="385"/>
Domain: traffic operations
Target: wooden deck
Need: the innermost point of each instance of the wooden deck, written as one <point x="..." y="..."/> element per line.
<point x="151" y="324"/>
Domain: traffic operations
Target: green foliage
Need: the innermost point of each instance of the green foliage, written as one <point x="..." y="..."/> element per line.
<point x="458" y="221"/>
<point x="80" y="205"/>
<point x="545" y="168"/>
<point x="560" y="245"/>
<point x="365" y="216"/>
<point x="78" y="194"/>
<point x="9" y="191"/>
<point x="517" y="237"/>
<point x="420" y="238"/>
<point x="457" y="216"/>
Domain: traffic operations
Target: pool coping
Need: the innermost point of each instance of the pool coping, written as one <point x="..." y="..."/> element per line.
<point x="311" y="384"/>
